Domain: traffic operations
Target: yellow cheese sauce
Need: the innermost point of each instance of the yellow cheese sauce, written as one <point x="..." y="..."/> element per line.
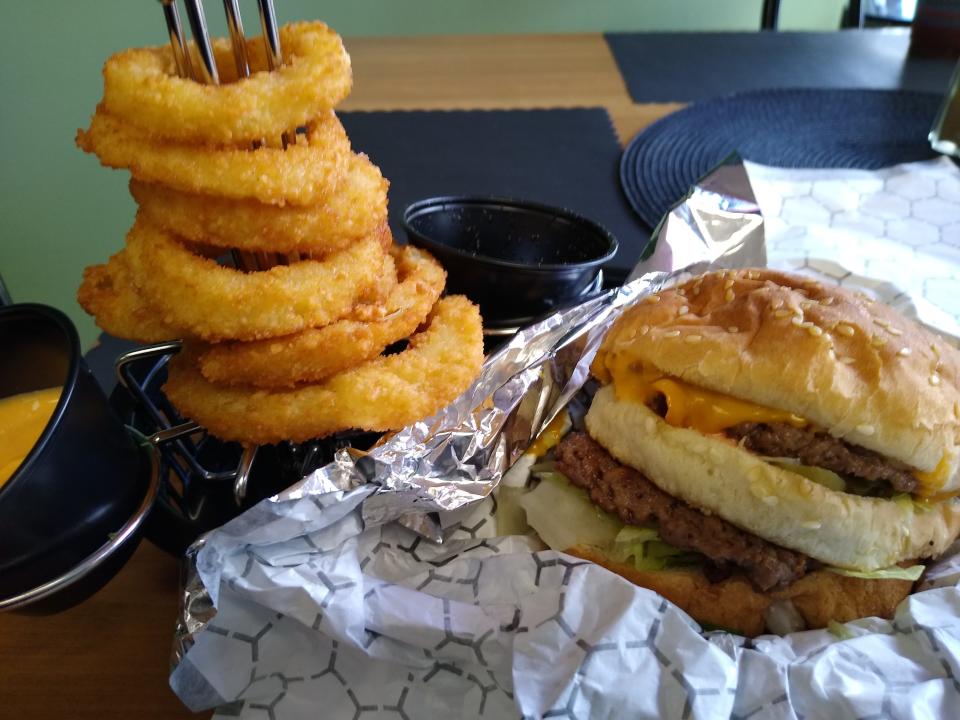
<point x="22" y="420"/>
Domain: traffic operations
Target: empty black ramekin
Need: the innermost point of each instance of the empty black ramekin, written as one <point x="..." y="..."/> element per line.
<point x="516" y="259"/>
<point x="72" y="503"/>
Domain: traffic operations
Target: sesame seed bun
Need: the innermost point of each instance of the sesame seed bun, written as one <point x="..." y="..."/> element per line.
<point x="846" y="364"/>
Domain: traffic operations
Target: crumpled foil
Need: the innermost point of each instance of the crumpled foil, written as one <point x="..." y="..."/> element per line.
<point x="378" y="586"/>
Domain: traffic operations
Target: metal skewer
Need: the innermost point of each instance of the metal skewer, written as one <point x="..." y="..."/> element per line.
<point x="208" y="73"/>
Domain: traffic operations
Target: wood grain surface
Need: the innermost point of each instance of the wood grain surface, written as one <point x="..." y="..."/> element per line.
<point x="109" y="658"/>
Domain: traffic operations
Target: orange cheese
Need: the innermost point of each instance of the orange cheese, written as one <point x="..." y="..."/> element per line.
<point x="688" y="406"/>
<point x="552" y="434"/>
<point x="932" y="481"/>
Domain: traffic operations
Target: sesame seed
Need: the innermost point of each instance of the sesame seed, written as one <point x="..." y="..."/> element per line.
<point x="683" y="310"/>
<point x="797" y="320"/>
<point x="866" y="429"/>
<point x="681" y="292"/>
<point x="936" y="350"/>
<point x="733" y="329"/>
<point x="878" y="341"/>
<point x="652" y="299"/>
<point x="777" y="304"/>
<point x="814" y="330"/>
<point x="934" y="379"/>
<point x="800" y="291"/>
<point x="832" y="353"/>
<point x="807" y="304"/>
<point x="728" y="284"/>
<point x="904" y="351"/>
<point x="696" y="289"/>
<point x="693" y="338"/>
<point x="644" y="330"/>
<point x="729" y="296"/>
<point x="847" y="360"/>
<point x="846" y="330"/>
<point x="672" y="334"/>
<point x="881" y="322"/>
<point x="894" y="331"/>
<point x="771" y="500"/>
<point x="811" y="524"/>
<point x="782" y="313"/>
<point x="827" y="301"/>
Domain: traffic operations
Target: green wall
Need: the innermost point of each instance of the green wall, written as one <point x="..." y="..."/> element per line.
<point x="62" y="212"/>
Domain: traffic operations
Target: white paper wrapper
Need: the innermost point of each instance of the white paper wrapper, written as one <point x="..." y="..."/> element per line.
<point x="337" y="598"/>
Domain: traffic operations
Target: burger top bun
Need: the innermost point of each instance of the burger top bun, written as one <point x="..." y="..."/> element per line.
<point x="854" y="367"/>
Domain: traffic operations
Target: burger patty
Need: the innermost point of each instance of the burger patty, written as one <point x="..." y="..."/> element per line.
<point x="822" y="450"/>
<point x="627" y="493"/>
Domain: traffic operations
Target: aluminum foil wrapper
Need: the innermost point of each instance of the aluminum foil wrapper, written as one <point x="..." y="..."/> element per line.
<point x="377" y="586"/>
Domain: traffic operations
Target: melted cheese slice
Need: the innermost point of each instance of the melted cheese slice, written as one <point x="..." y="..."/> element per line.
<point x="688" y="406"/>
<point x="931" y="482"/>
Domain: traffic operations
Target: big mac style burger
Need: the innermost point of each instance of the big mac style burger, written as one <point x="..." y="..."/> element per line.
<point x="764" y="451"/>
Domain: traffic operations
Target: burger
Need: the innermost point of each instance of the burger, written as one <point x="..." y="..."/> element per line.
<point x="766" y="452"/>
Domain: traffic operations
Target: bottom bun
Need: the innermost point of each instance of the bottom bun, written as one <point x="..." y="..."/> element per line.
<point x="733" y="604"/>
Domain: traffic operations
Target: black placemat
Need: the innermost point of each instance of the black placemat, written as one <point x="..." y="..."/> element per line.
<point x="562" y="157"/>
<point x="865" y="129"/>
<point x="682" y="67"/>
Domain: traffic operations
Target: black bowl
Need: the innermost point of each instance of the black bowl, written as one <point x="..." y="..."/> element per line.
<point x="83" y="480"/>
<point x="515" y="259"/>
<point x="89" y="575"/>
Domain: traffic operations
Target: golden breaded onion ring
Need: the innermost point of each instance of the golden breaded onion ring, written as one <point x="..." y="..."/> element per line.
<point x="354" y="211"/>
<point x="142" y="88"/>
<point x="307" y="172"/>
<point x="215" y="302"/>
<point x="107" y="292"/>
<point x="317" y="353"/>
<point x="386" y="393"/>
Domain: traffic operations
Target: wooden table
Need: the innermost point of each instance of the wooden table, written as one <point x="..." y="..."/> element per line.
<point x="109" y="657"/>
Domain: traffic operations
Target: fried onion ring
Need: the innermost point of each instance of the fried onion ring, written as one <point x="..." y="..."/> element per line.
<point x="215" y="302"/>
<point x="318" y="353"/>
<point x="107" y="293"/>
<point x="306" y="173"/>
<point x="356" y="210"/>
<point x="142" y="88"/>
<point x="386" y="393"/>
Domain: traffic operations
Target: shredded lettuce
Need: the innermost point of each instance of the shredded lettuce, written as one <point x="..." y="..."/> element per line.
<point x="908" y="502"/>
<point x="564" y="517"/>
<point x="643" y="548"/>
<point x="511" y="520"/>
<point x="840" y="631"/>
<point x="912" y="573"/>
<point x="821" y="476"/>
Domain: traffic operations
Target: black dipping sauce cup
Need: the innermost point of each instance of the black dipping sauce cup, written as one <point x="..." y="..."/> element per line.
<point x="70" y="514"/>
<point x="517" y="260"/>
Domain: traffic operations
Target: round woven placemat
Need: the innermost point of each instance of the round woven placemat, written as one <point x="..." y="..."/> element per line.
<point x="865" y="129"/>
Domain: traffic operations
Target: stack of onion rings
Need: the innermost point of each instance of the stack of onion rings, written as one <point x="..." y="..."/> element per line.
<point x="317" y="353"/>
<point x="287" y="344"/>
<point x="385" y="393"/>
